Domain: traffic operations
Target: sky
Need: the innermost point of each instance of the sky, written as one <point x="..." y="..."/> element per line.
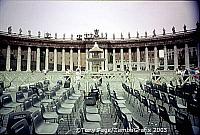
<point x="79" y="17"/>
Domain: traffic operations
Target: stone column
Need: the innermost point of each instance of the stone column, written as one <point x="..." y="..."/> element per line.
<point x="90" y="63"/>
<point x="71" y="59"/>
<point x="86" y="62"/>
<point x="147" y="58"/>
<point x="122" y="59"/>
<point x="102" y="63"/>
<point x="63" y="59"/>
<point x="165" y="58"/>
<point x="19" y="58"/>
<point x="55" y="60"/>
<point x="155" y="57"/>
<point x="175" y="57"/>
<point x="8" y="58"/>
<point x="114" y="60"/>
<point x="38" y="60"/>
<point x="129" y="59"/>
<point x="79" y="58"/>
<point x="138" y="59"/>
<point x="106" y="61"/>
<point x="47" y="59"/>
<point x="29" y="59"/>
<point x="198" y="54"/>
<point x="187" y="59"/>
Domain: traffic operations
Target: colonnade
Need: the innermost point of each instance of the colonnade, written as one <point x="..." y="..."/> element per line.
<point x="104" y="66"/>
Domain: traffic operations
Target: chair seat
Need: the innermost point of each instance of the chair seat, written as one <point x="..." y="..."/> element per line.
<point x="73" y="98"/>
<point x="47" y="128"/>
<point x="122" y="105"/>
<point x="172" y="119"/>
<point x="69" y="106"/>
<point x="181" y="106"/>
<point x="37" y="104"/>
<point x="106" y="101"/>
<point x="129" y="117"/>
<point x="76" y="95"/>
<point x="55" y="97"/>
<point x="91" y="125"/>
<point x="120" y="98"/>
<point x="33" y="109"/>
<point x="93" y="117"/>
<point x="50" y="115"/>
<point x="4" y="111"/>
<point x="46" y="101"/>
<point x="2" y="130"/>
<point x="64" y="111"/>
<point x="70" y="101"/>
<point x="11" y="105"/>
<point x="92" y="109"/>
<point x="121" y="101"/>
<point x="196" y="130"/>
<point x="126" y="111"/>
<point x="20" y="100"/>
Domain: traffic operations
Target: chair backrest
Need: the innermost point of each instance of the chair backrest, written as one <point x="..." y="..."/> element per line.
<point x="67" y="84"/>
<point x="17" y="116"/>
<point x="53" y="93"/>
<point x="19" y="95"/>
<point x="90" y="100"/>
<point x="187" y="88"/>
<point x="172" y="91"/>
<point x="136" y="125"/>
<point x="137" y="94"/>
<point x="163" y="113"/>
<point x="164" y="98"/>
<point x="30" y="92"/>
<point x="6" y="99"/>
<point x="39" y="85"/>
<point x="119" y="113"/>
<point x="23" y="88"/>
<point x="43" y="110"/>
<point x="172" y="100"/>
<point x="152" y="106"/>
<point x="144" y="100"/>
<point x="59" y="82"/>
<point x="27" y="104"/>
<point x="82" y="119"/>
<point x="37" y="120"/>
<point x="2" y="84"/>
<point x="41" y="95"/>
<point x="183" y="124"/>
<point x="1" y="91"/>
<point x="164" y="87"/>
<point x="125" y="121"/>
<point x="46" y="82"/>
<point x="35" y="99"/>
<point x="20" y="128"/>
<point x="156" y="93"/>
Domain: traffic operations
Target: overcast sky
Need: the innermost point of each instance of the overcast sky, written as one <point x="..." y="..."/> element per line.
<point x="107" y="16"/>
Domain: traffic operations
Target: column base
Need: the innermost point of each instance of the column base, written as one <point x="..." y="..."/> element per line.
<point x="18" y="70"/>
<point x="28" y="71"/>
<point x="55" y="70"/>
<point x="38" y="71"/>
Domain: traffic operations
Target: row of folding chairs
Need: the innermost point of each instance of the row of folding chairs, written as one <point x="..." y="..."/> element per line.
<point x="154" y="107"/>
<point x="26" y="122"/>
